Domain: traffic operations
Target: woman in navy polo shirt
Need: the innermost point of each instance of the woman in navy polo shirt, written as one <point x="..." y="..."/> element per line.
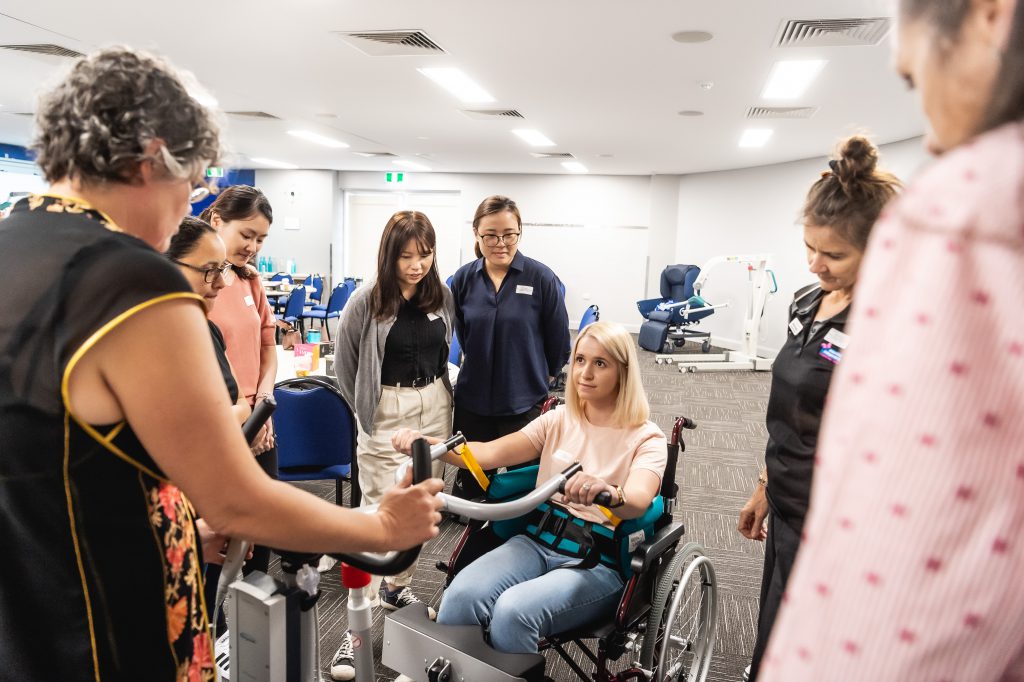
<point x="511" y="320"/>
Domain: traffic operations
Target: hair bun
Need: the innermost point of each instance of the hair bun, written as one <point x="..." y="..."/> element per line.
<point x="858" y="158"/>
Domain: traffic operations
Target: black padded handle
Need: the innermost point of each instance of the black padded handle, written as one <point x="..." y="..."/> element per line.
<point x="395" y="562"/>
<point x="603" y="498"/>
<point x="259" y="416"/>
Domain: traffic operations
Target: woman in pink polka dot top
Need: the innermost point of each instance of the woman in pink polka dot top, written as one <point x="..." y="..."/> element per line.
<point x="912" y="562"/>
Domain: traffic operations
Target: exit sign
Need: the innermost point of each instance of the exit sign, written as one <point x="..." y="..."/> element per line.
<point x="394" y="177"/>
<point x="214" y="172"/>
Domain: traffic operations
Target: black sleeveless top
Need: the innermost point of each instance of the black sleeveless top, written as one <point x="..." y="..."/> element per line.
<point x="100" y="578"/>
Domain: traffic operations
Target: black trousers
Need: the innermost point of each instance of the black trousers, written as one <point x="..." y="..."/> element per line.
<point x="780" y="548"/>
<point x="485" y="428"/>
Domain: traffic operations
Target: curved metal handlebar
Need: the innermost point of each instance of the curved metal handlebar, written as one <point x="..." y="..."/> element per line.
<point x="436" y="451"/>
<point x="390" y="563"/>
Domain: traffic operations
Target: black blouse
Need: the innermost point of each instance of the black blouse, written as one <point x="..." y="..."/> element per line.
<point x="99" y="546"/>
<point x="221" y="349"/>
<point x="416" y="350"/>
<point x="801" y="375"/>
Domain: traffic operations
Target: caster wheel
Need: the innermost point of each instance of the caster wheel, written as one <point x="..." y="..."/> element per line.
<point x="659" y="361"/>
<point x="705" y="347"/>
<point x="692" y="369"/>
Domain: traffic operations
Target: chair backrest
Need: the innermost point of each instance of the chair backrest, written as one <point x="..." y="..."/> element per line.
<point x="317" y="282"/>
<point x="677" y="281"/>
<point x="296" y="302"/>
<point x="591" y="315"/>
<point x="351" y="284"/>
<point x="313" y="424"/>
<point x="455" y="351"/>
<point x="339" y="297"/>
<point x="281" y="277"/>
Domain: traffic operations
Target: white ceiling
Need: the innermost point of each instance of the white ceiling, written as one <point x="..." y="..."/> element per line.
<point x="602" y="78"/>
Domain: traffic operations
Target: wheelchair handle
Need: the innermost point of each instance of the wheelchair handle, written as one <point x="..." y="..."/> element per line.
<point x="390" y="563"/>
<point x="436" y="451"/>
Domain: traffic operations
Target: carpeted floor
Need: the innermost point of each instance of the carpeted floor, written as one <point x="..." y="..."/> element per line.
<point x="716" y="475"/>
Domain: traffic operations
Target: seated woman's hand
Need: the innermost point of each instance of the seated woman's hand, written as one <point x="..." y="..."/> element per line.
<point x="583" y="488"/>
<point x="403" y="439"/>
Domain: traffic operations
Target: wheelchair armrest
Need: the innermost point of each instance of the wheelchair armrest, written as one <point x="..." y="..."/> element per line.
<point x="647" y="554"/>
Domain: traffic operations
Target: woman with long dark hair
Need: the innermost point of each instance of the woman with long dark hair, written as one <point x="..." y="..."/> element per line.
<point x="391" y="360"/>
<point x="912" y="559"/>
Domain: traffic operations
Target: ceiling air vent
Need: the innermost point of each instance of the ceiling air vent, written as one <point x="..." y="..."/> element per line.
<point x="45" y="48"/>
<point x="492" y="114"/>
<point x="391" y="43"/>
<point x="552" y="155"/>
<point x="832" y="32"/>
<point x="260" y="115"/>
<point x="781" y="112"/>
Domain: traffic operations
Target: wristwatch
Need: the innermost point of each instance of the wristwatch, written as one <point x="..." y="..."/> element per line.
<point x="621" y="499"/>
<point x="762" y="479"/>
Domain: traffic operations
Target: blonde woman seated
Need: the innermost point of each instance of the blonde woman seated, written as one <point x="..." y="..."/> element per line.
<point x="524" y="590"/>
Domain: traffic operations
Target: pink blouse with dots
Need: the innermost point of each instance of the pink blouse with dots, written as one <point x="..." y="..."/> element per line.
<point x="912" y="564"/>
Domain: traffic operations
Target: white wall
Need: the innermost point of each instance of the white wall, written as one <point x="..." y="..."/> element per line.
<point x="591" y="230"/>
<point x="757" y="210"/>
<point x="308" y="200"/>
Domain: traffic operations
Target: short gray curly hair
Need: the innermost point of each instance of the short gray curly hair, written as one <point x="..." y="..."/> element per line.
<point x="95" y="125"/>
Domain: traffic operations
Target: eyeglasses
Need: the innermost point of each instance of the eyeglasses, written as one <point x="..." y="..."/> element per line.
<point x="492" y="240"/>
<point x="209" y="274"/>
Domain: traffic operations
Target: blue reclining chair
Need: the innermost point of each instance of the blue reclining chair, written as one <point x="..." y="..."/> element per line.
<point x="316" y="434"/>
<point x="669" y="316"/>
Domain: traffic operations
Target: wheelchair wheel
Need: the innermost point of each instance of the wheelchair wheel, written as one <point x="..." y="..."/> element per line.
<point x="680" y="634"/>
<point x="705" y="347"/>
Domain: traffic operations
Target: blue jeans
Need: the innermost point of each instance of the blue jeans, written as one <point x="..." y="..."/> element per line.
<point x="521" y="593"/>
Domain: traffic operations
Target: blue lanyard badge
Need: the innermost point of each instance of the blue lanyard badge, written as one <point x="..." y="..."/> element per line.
<point x="827" y="351"/>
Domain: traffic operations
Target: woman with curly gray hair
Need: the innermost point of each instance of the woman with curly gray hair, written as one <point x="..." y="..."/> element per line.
<point x="113" y="415"/>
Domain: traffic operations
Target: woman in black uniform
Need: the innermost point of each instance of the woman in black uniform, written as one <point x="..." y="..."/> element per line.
<point x="838" y="214"/>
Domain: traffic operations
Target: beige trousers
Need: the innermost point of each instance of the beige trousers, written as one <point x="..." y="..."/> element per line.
<point x="429" y="411"/>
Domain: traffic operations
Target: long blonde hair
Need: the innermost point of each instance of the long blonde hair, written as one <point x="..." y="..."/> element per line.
<point x="631" y="406"/>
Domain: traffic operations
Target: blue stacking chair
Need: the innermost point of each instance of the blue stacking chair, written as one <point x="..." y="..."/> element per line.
<point x="294" y="308"/>
<point x="335" y="304"/>
<point x="455" y="351"/>
<point x="316" y="283"/>
<point x="281" y="300"/>
<point x="591" y="315"/>
<point x="669" y="317"/>
<point x="316" y="434"/>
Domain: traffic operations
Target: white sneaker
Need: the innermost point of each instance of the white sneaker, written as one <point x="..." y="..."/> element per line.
<point x="342" y="665"/>
<point x="746" y="673"/>
<point x="404" y="678"/>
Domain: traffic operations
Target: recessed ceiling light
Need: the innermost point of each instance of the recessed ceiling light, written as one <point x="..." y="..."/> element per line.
<point x="411" y="165"/>
<point x="690" y="113"/>
<point x="574" y="167"/>
<point x="457" y="83"/>
<point x="316" y="138"/>
<point x="272" y="163"/>
<point x="755" y="137"/>
<point x="534" y="138"/>
<point x="790" y="79"/>
<point x="692" y="37"/>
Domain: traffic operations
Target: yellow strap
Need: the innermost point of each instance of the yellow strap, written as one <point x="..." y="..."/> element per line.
<point x="615" y="520"/>
<point x="473" y="466"/>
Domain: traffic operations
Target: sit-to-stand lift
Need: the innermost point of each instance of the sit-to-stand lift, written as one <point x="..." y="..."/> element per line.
<point x="746" y="358"/>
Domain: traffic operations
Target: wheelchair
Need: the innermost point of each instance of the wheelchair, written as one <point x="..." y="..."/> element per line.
<point x="668" y="319"/>
<point x="665" y="620"/>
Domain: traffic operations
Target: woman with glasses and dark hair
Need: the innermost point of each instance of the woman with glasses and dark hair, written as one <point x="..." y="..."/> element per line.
<point x="242" y="216"/>
<point x="391" y="360"/>
<point x="113" y="417"/>
<point x="912" y="559"/>
<point x="511" y="320"/>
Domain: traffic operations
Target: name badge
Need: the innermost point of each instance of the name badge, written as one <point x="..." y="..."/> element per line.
<point x="833" y="355"/>
<point x="432" y="316"/>
<point x="837" y="338"/>
<point x="248" y="300"/>
<point x="523" y="289"/>
<point x="796" y="326"/>
<point x="563" y="456"/>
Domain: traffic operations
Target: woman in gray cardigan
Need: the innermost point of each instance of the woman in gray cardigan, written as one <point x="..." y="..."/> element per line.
<point x="391" y="360"/>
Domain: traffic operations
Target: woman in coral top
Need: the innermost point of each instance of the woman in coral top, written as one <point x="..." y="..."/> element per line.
<point x="242" y="215"/>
